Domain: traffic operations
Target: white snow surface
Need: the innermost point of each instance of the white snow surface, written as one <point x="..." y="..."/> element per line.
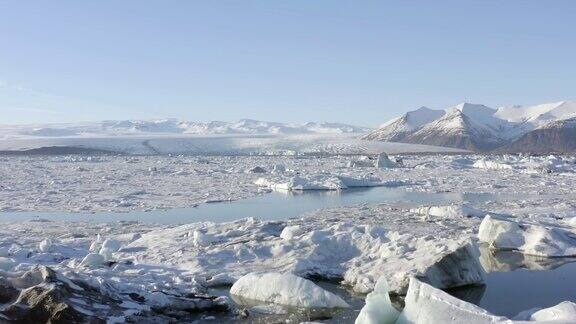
<point x="284" y="289"/>
<point x="324" y="244"/>
<point x="355" y="244"/>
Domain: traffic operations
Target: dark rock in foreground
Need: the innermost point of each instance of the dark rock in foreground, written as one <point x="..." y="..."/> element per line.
<point x="42" y="295"/>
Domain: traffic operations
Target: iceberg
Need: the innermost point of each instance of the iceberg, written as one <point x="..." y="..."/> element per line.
<point x="284" y="289"/>
<point x="531" y="239"/>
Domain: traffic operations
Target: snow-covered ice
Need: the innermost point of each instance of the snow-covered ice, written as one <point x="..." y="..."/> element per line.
<point x="449" y="211"/>
<point x="529" y="238"/>
<point x="174" y="266"/>
<point x="284" y="289"/>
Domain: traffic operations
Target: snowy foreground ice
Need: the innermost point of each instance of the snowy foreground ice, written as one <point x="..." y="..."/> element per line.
<point x="118" y="271"/>
<point x="427" y="305"/>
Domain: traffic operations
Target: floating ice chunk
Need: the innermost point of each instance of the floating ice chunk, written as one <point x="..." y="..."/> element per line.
<point x="318" y="182"/>
<point x="289" y="232"/>
<point x="500" y="234"/>
<point x="450" y="211"/>
<point x="565" y="312"/>
<point x="202" y="239"/>
<point x="321" y="182"/>
<point x="46" y="246"/>
<point x="450" y="264"/>
<point x="365" y="181"/>
<point x="384" y="162"/>
<point x="4" y="251"/>
<point x="284" y="289"/>
<point x="378" y="308"/>
<point x="112" y="245"/>
<point x="532" y="239"/>
<point x="279" y="168"/>
<point x="7" y="264"/>
<point x="428" y="305"/>
<point x="362" y="162"/>
<point x="93" y="260"/>
<point x="491" y="165"/>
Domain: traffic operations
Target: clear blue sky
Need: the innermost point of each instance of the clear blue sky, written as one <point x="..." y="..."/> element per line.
<point x="360" y="62"/>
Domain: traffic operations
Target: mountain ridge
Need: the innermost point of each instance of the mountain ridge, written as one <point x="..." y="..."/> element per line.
<point x="481" y="128"/>
<point x="176" y="126"/>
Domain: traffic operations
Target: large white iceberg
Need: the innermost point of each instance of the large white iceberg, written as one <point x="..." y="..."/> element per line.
<point x="491" y="165"/>
<point x="428" y="305"/>
<point x="449" y="211"/>
<point x="318" y="182"/>
<point x="284" y="289"/>
<point x="532" y="239"/>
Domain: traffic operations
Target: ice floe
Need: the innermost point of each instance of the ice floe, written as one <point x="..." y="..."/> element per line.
<point x="456" y="210"/>
<point x="528" y="238"/>
<point x="317" y="182"/>
<point x="284" y="289"/>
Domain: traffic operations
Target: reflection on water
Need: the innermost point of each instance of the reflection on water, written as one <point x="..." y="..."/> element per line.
<point x="518" y="282"/>
<point x="270" y="206"/>
<point x="511" y="260"/>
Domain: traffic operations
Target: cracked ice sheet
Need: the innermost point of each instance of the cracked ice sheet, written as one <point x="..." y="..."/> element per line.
<point x="122" y="183"/>
<point x="358" y="244"/>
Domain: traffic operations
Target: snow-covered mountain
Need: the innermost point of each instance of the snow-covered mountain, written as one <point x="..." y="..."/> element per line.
<point x="457" y="129"/>
<point x="174" y="126"/>
<point x="557" y="136"/>
<point x="397" y="129"/>
<point x="480" y="128"/>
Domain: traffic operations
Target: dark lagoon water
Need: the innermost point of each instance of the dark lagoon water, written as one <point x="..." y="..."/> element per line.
<point x="510" y="292"/>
